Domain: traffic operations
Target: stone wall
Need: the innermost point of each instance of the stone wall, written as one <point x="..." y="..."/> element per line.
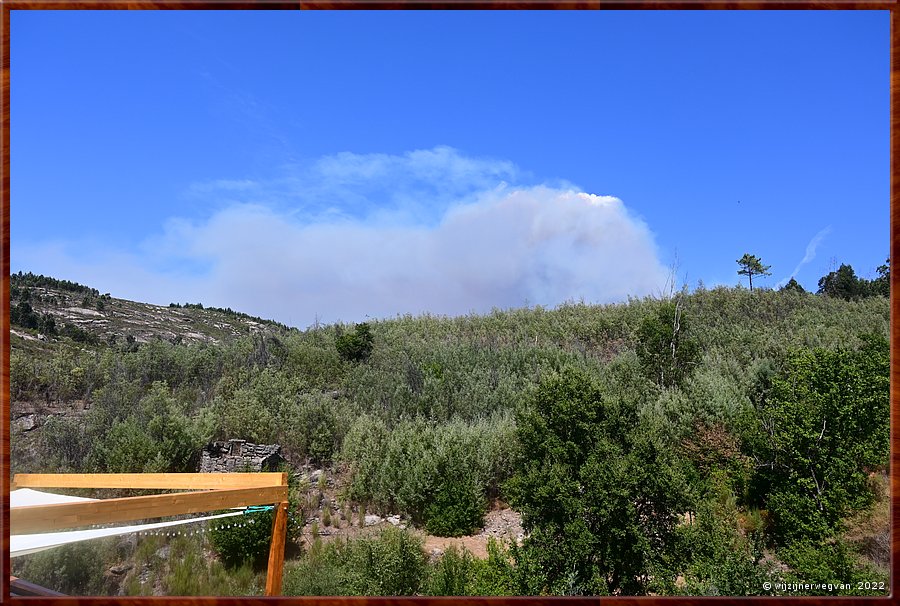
<point x="240" y="455"/>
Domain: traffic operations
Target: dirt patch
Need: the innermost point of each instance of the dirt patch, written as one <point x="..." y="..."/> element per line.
<point x="476" y="544"/>
<point x="322" y="493"/>
<point x="502" y="525"/>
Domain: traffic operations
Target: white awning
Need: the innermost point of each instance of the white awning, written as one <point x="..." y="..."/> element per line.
<point x="23" y="544"/>
<point x="23" y="497"/>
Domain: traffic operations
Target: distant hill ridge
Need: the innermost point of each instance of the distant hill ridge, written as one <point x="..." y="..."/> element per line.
<point x="43" y="308"/>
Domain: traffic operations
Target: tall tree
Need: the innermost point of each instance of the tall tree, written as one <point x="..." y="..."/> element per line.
<point x="823" y="425"/>
<point x="843" y="284"/>
<point x="598" y="492"/>
<point x="751" y="266"/>
<point x="667" y="352"/>
<point x="882" y="284"/>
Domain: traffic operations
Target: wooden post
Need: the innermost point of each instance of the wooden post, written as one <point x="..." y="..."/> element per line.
<point x="276" y="550"/>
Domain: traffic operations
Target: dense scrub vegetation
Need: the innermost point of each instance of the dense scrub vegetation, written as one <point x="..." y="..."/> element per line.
<point x="704" y="444"/>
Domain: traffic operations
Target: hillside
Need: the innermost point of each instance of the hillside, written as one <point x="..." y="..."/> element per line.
<point x="661" y="411"/>
<point x="84" y="315"/>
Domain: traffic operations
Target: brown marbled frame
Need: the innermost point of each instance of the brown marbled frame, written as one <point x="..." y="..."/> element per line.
<point x="890" y="5"/>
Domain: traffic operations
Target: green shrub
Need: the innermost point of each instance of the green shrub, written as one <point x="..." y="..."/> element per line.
<point x="276" y="406"/>
<point x="73" y="569"/>
<point x="355" y="346"/>
<point x="495" y="576"/>
<point x="392" y="563"/>
<point x="832" y="562"/>
<point x="256" y="406"/>
<point x="190" y="573"/>
<point x="715" y="557"/>
<point x="452" y="574"/>
<point x="321" y="572"/>
<point x="667" y="351"/>
<point x="66" y="444"/>
<point x="456" y="509"/>
<point x="243" y="540"/>
<point x="127" y="448"/>
<point x="78" y="334"/>
<point x="315" y="424"/>
<point x="458" y="573"/>
<point x="437" y="474"/>
<point x="155" y="437"/>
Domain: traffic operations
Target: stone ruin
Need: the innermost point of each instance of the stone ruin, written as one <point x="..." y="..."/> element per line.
<point x="240" y="456"/>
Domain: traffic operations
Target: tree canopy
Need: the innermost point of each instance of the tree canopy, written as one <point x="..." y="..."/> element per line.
<point x="751" y="266"/>
<point x="822" y="426"/>
<point x="597" y="491"/>
<point x="845" y="284"/>
<point x="355" y="346"/>
<point x="793" y="286"/>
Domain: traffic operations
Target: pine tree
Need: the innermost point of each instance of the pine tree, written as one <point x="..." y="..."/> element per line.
<point x="751" y="266"/>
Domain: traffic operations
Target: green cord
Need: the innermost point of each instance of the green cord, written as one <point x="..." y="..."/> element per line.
<point x="258" y="508"/>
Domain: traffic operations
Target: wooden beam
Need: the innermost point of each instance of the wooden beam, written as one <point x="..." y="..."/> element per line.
<point x="20" y="588"/>
<point x="161" y="481"/>
<point x="276" y="551"/>
<point x="43" y="518"/>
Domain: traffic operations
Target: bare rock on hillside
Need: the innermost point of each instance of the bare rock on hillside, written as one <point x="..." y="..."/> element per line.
<point x="121" y="568"/>
<point x="27" y="422"/>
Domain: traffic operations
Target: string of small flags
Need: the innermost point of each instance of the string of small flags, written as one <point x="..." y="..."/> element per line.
<point x="203" y="529"/>
<point x="190" y="533"/>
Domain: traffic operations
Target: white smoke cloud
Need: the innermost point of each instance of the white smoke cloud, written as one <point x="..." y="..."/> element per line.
<point x="413" y="187"/>
<point x="808" y="257"/>
<point x="502" y="247"/>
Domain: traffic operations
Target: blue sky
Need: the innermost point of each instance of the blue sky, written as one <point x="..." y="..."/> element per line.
<point x="342" y="164"/>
